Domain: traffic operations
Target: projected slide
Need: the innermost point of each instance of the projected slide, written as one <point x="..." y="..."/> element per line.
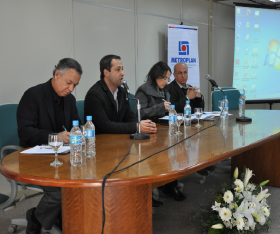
<point x="257" y="53"/>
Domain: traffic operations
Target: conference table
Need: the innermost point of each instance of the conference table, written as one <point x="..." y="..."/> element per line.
<point x="128" y="193"/>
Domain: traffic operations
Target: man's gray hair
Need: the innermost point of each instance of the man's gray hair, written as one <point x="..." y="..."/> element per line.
<point x="67" y="63"/>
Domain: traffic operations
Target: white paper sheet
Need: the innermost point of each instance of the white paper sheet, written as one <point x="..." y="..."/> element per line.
<point x="45" y="150"/>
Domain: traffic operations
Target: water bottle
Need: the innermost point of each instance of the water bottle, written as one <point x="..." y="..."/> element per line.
<point x="241" y="105"/>
<point x="75" y="144"/>
<point x="172" y="121"/>
<point x="90" y="137"/>
<point x="187" y="114"/>
<point x="225" y="107"/>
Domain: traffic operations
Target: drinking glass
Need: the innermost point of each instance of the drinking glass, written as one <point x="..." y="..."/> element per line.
<point x="55" y="142"/>
<point x="221" y="106"/>
<point x="179" y="122"/>
<point x="198" y="113"/>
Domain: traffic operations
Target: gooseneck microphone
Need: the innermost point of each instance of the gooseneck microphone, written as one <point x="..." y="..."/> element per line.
<point x="213" y="82"/>
<point x="124" y="83"/>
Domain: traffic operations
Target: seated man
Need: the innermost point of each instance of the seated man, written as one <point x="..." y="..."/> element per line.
<point x="106" y="102"/>
<point x="180" y="91"/>
<point x="44" y="109"/>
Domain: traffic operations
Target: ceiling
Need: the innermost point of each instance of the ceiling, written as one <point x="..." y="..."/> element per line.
<point x="251" y="3"/>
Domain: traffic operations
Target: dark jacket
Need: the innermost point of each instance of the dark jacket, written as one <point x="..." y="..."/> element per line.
<point x="100" y="104"/>
<point x="35" y="115"/>
<point x="152" y="105"/>
<point x="178" y="98"/>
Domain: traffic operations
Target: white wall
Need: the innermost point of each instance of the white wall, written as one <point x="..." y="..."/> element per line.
<point x="35" y="34"/>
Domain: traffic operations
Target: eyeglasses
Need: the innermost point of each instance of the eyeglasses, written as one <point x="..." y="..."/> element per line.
<point x="165" y="78"/>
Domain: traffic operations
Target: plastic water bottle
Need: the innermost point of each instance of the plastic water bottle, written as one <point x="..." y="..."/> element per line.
<point x="75" y="144"/>
<point x="90" y="137"/>
<point x="241" y="105"/>
<point x="172" y="121"/>
<point x="225" y="107"/>
<point x="187" y="114"/>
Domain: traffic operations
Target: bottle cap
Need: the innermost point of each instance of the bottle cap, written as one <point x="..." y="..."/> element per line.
<point x="172" y="106"/>
<point x="89" y="117"/>
<point x="225" y="96"/>
<point x="187" y="102"/>
<point x="75" y="122"/>
<point x="242" y="94"/>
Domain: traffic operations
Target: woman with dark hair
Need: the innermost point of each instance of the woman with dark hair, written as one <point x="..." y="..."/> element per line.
<point x="154" y="99"/>
<point x="153" y="95"/>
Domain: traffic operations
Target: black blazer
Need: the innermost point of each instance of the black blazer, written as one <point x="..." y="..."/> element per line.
<point x="100" y="104"/>
<point x="178" y="98"/>
<point x="35" y="115"/>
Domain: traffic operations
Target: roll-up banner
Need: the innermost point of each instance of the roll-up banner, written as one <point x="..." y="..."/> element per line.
<point x="183" y="47"/>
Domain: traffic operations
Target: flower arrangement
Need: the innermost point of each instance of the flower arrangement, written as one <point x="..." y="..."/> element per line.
<point x="241" y="209"/>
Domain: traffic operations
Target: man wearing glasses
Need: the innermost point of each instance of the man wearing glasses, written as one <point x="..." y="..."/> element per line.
<point x="180" y="91"/>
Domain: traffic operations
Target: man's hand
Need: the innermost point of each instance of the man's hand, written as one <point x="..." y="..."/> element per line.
<point x="167" y="105"/>
<point x="66" y="136"/>
<point x="193" y="92"/>
<point x="147" y="126"/>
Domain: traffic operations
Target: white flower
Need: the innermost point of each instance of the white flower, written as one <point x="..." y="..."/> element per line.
<point x="252" y="205"/>
<point x="240" y="224"/>
<point x="216" y="206"/>
<point x="218" y="226"/>
<point x="244" y="210"/>
<point x="239" y="185"/>
<point x="253" y="225"/>
<point x="246" y="226"/>
<point x="247" y="195"/>
<point x="228" y="197"/>
<point x="225" y="214"/>
<point x="228" y="224"/>
<point x="248" y="176"/>
<point x="237" y="215"/>
<point x="262" y="195"/>
<point x="265" y="211"/>
<point x="238" y="195"/>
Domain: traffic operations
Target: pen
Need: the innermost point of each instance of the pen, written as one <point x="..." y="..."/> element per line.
<point x="64" y="128"/>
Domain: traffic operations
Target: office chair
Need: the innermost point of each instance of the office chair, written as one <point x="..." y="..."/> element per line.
<point x="9" y="142"/>
<point x="80" y="107"/>
<point x="132" y="102"/>
<point x="233" y="96"/>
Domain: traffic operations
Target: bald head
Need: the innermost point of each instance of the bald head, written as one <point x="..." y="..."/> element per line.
<point x="180" y="64"/>
<point x="181" y="73"/>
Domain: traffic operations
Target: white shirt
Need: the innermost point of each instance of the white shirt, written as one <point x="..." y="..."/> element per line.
<point x="115" y="95"/>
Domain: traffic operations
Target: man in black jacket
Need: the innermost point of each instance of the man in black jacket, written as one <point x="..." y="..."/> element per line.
<point x="107" y="102"/>
<point x="180" y="91"/>
<point x="45" y="109"/>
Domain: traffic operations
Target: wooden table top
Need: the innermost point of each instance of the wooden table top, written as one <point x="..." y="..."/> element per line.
<point x="226" y="139"/>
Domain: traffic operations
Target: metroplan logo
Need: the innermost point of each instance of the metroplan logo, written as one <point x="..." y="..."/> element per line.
<point x="273" y="54"/>
<point x="184" y="48"/>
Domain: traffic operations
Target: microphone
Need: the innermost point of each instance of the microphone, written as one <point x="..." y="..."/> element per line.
<point x="124" y="83"/>
<point x="213" y="82"/>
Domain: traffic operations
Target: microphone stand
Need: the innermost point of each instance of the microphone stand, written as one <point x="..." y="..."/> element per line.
<point x="139" y="135"/>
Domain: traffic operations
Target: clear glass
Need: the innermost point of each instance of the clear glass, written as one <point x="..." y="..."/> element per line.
<point x="55" y="142"/>
<point x="198" y="113"/>
<point x="221" y="106"/>
<point x="179" y="121"/>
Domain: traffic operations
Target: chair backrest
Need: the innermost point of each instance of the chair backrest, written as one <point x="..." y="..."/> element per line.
<point x="132" y="102"/>
<point x="80" y="107"/>
<point x="8" y="125"/>
<point x="232" y="94"/>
